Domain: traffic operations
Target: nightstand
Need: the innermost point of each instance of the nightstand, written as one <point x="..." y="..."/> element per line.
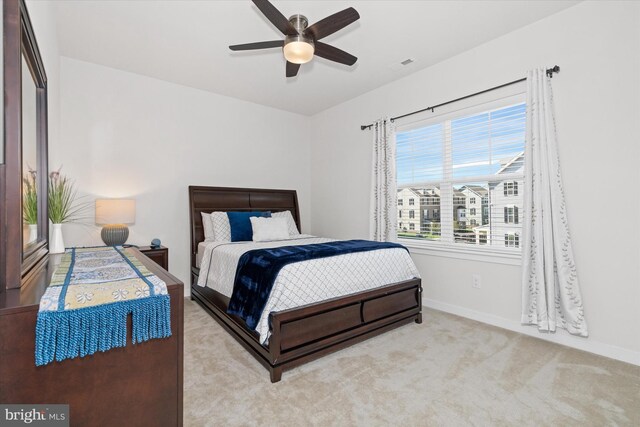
<point x="160" y="255"/>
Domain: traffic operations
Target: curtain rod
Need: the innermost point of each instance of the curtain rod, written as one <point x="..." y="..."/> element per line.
<point x="550" y="71"/>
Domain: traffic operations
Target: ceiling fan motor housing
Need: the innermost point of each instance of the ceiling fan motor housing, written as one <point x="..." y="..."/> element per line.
<point x="299" y="22"/>
<point x="299" y="49"/>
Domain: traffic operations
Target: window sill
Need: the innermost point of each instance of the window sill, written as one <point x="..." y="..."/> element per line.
<point x="496" y="256"/>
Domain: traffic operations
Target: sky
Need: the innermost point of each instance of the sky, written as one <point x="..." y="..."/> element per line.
<point x="480" y="144"/>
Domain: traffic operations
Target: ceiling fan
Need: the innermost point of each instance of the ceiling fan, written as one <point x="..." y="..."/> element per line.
<point x="301" y="41"/>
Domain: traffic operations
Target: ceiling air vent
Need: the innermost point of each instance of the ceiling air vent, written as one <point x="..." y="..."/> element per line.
<point x="399" y="65"/>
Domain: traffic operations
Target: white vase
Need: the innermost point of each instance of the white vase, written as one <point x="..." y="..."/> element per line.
<point x="33" y="233"/>
<point x="56" y="245"/>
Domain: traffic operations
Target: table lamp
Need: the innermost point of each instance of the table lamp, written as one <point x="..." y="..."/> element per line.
<point x="114" y="215"/>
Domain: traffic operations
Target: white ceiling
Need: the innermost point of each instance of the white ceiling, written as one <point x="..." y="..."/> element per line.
<point x="186" y="42"/>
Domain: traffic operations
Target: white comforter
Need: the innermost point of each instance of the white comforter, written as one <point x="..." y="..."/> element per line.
<point x="309" y="281"/>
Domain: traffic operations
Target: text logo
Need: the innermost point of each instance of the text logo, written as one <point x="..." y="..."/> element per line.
<point x="34" y="415"/>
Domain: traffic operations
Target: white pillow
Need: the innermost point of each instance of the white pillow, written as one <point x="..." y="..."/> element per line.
<point x="208" y="227"/>
<point x="221" y="227"/>
<point x="267" y="229"/>
<point x="291" y="223"/>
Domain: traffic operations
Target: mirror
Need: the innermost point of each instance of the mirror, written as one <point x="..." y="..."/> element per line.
<point x="24" y="228"/>
<point x="2" y="103"/>
<point x="30" y="163"/>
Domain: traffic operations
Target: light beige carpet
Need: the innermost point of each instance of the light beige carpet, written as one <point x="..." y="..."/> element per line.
<point x="449" y="371"/>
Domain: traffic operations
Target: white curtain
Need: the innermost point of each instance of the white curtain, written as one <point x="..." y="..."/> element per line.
<point x="383" y="182"/>
<point x="550" y="289"/>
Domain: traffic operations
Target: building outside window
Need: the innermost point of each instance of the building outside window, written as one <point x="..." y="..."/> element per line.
<point x="417" y="215"/>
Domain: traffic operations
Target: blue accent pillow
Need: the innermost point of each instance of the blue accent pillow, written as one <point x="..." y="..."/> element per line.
<point x="241" y="230"/>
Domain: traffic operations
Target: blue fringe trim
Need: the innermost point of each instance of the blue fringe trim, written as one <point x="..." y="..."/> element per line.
<point x="82" y="332"/>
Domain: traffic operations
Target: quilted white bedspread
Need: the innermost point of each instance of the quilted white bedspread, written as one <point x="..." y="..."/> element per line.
<point x="309" y="281"/>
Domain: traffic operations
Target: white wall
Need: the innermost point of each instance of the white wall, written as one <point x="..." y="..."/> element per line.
<point x="597" y="99"/>
<point x="126" y="135"/>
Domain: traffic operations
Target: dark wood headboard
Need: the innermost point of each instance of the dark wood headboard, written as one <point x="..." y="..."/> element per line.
<point x="223" y="199"/>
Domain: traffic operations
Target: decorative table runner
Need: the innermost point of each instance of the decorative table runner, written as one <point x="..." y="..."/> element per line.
<point x="92" y="292"/>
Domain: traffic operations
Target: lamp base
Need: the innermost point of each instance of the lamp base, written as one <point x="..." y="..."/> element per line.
<point x="114" y="234"/>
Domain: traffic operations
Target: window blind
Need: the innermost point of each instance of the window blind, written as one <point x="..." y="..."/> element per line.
<point x="465" y="174"/>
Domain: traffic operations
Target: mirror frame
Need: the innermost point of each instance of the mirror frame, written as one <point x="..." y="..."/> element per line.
<point x="16" y="264"/>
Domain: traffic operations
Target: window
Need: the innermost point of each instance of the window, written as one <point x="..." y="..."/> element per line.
<point x="462" y="159"/>
<point x="411" y="202"/>
<point x="510" y="214"/>
<point x="400" y="213"/>
<point x="510" y="188"/>
<point x="431" y="201"/>
<point x="412" y="214"/>
<point x="399" y="202"/>
<point x="512" y="240"/>
<point x="411" y="226"/>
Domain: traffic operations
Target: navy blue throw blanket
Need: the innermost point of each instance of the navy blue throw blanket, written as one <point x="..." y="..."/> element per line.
<point x="258" y="269"/>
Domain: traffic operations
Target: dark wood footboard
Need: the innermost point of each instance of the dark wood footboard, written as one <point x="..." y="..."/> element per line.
<point x="306" y="333"/>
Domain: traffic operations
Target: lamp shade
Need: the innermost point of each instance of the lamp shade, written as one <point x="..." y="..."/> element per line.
<point x="298" y="51"/>
<point x="115" y="211"/>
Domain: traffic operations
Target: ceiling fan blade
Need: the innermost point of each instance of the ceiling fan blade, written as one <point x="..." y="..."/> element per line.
<point x="334" y="54"/>
<point x="276" y="18"/>
<point x="292" y="69"/>
<point x="333" y="23"/>
<point x="257" y="45"/>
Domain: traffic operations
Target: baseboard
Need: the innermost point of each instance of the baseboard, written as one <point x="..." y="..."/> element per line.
<point x="561" y="337"/>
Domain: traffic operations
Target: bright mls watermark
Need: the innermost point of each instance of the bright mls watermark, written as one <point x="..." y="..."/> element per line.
<point x="34" y="415"/>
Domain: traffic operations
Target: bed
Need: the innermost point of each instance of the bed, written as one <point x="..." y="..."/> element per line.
<point x="301" y="334"/>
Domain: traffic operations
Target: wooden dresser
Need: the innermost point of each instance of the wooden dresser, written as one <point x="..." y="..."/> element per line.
<point x="139" y="385"/>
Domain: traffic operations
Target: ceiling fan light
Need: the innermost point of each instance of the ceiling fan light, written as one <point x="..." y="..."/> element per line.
<point x="298" y="51"/>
